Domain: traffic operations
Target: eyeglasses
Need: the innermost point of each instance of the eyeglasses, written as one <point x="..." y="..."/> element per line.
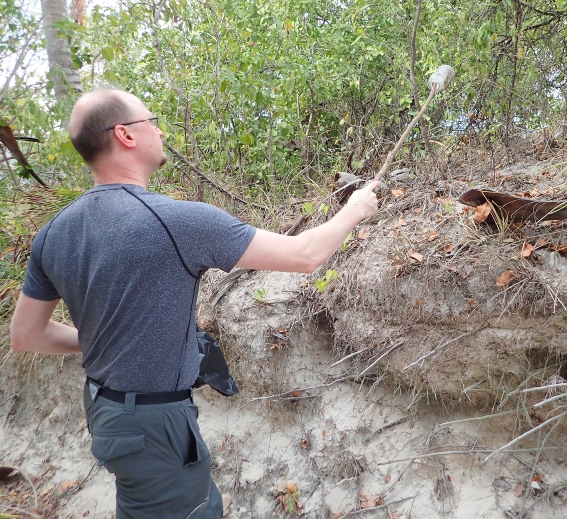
<point x="153" y="120"/>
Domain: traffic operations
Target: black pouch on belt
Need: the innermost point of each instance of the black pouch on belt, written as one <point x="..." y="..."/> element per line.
<point x="213" y="369"/>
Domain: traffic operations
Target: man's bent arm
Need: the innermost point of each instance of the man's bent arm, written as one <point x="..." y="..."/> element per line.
<point x="33" y="330"/>
<point x="310" y="249"/>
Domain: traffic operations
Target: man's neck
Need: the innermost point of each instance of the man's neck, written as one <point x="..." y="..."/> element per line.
<point x="111" y="176"/>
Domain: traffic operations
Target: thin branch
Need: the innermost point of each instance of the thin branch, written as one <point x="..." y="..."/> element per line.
<point x="350" y="356"/>
<point x="381" y="507"/>
<point x="440" y="347"/>
<point x="288" y="393"/>
<point x="541" y="388"/>
<point x="208" y="180"/>
<point x="527" y="433"/>
<point x="394" y="347"/>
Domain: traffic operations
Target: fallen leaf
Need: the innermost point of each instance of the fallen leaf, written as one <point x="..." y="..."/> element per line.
<point x="324" y="433"/>
<point x="338" y="516"/>
<point x="362" y="462"/>
<point x="46" y="490"/>
<point x="417" y="210"/>
<point x="387" y="478"/>
<point x="416" y="256"/>
<point x="448" y="248"/>
<point x="527" y="249"/>
<point x="223" y="447"/>
<point x="432" y="235"/>
<point x="481" y="212"/>
<point x="86" y="513"/>
<point x="396" y="233"/>
<point x="291" y="487"/>
<point x="304" y="444"/>
<point x="538" y="478"/>
<point x="364" y="233"/>
<point x="296" y="392"/>
<point x="519" y="490"/>
<point x="560" y="248"/>
<point x="401" y="222"/>
<point x="504" y="278"/>
<point x="397" y="193"/>
<point x="370" y="500"/>
<point x="541" y="242"/>
<point x="66" y="485"/>
<point x="416" y="302"/>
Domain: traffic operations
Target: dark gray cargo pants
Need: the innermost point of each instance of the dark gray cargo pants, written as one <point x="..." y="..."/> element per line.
<point x="161" y="463"/>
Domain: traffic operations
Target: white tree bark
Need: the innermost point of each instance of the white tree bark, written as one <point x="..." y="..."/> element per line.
<point x="64" y="75"/>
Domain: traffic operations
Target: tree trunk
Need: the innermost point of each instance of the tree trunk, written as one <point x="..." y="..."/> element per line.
<point x="64" y="75"/>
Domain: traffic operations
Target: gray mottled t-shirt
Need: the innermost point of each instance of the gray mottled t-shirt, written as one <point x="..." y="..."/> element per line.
<point x="127" y="264"/>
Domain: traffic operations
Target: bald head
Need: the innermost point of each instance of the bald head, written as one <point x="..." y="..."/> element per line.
<point x="91" y="114"/>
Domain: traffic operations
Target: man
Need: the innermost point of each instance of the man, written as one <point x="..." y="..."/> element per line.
<point x="127" y="263"/>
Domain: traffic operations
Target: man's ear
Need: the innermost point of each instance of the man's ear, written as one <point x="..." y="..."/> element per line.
<point x="125" y="138"/>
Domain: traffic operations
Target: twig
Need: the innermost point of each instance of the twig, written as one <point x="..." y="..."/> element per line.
<point x="210" y="181"/>
<point x="548" y="400"/>
<point x="477" y="418"/>
<point x="466" y="453"/>
<point x="394" y="347"/>
<point x="392" y="424"/>
<point x="350" y="356"/>
<point x="440" y="347"/>
<point x="540" y="388"/>
<point x="527" y="433"/>
<point x="25" y="476"/>
<point x="287" y="393"/>
<point x="385" y="505"/>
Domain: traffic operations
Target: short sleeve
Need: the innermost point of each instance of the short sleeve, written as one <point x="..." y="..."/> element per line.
<point x="37" y="285"/>
<point x="209" y="237"/>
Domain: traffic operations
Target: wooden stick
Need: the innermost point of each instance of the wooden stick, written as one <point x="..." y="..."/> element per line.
<point x="394" y="347"/>
<point x="385" y="505"/>
<point x="540" y="388"/>
<point x="414" y="121"/>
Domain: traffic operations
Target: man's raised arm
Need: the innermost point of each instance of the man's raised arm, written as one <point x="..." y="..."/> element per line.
<point x="309" y="250"/>
<point x="33" y="330"/>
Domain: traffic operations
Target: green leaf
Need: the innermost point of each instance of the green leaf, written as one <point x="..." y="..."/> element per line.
<point x="307" y="208"/>
<point x="108" y="53"/>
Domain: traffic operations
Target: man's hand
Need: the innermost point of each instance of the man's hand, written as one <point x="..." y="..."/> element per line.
<point x="310" y="249"/>
<point x="33" y="330"/>
<point x="366" y="198"/>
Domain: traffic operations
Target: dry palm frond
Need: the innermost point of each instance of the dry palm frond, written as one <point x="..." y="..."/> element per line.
<point x="44" y="204"/>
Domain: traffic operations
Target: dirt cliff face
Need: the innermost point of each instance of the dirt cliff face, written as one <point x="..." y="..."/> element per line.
<point x="388" y="388"/>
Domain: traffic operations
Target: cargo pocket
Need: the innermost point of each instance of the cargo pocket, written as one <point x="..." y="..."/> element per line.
<point x="111" y="448"/>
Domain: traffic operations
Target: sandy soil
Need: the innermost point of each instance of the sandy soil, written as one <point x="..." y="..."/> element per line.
<point x="333" y="445"/>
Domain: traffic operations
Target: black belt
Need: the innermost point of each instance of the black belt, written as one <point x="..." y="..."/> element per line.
<point x="147" y="398"/>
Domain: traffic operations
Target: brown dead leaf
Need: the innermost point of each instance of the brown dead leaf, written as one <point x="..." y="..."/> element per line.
<point x="370" y="500"/>
<point x="324" y="433"/>
<point x="223" y="447"/>
<point x="416" y="256"/>
<point x="397" y="193"/>
<point x="538" y="478"/>
<point x="448" y="248"/>
<point x="416" y="302"/>
<point x="560" y="248"/>
<point x="542" y="242"/>
<point x="519" y="490"/>
<point x="527" y="249"/>
<point x="481" y="212"/>
<point x="296" y="392"/>
<point x="401" y="222"/>
<point x="46" y="490"/>
<point x="364" y="233"/>
<point x="338" y="516"/>
<point x="291" y="487"/>
<point x="85" y="514"/>
<point x="66" y="485"/>
<point x="396" y="232"/>
<point x="387" y="478"/>
<point x="432" y="235"/>
<point x="417" y="210"/>
<point x="504" y="278"/>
